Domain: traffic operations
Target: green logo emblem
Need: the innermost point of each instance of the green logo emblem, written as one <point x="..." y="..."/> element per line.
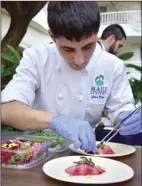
<point x="99" y="80"/>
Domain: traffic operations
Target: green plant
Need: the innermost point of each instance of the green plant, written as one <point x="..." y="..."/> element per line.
<point x="135" y="84"/>
<point x="12" y="58"/>
<point x="126" y="56"/>
<point x="139" y="68"/>
<point x="137" y="89"/>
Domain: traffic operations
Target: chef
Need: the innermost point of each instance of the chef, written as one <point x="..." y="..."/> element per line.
<point x="112" y="39"/>
<point x="65" y="86"/>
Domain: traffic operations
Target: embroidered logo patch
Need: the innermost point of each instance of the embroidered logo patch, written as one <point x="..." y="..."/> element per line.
<point x="98" y="91"/>
<point x="99" y="80"/>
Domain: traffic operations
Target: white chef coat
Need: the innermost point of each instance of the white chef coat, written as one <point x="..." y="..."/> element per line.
<point x="101" y="44"/>
<point x="44" y="81"/>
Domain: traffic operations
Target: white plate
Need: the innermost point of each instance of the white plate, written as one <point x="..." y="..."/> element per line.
<point x="118" y="148"/>
<point x="115" y="171"/>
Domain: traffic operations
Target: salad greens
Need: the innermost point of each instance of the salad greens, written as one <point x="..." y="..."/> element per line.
<point x="53" y="138"/>
<point x="46" y="133"/>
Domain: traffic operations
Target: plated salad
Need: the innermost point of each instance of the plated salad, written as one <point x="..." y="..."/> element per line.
<point x="20" y="152"/>
<point x="57" y="142"/>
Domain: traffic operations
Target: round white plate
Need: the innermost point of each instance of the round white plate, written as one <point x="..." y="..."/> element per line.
<point x="118" y="148"/>
<point x="115" y="171"/>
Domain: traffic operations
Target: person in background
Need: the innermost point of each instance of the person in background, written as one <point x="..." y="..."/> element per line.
<point x="65" y="86"/>
<point x="112" y="39"/>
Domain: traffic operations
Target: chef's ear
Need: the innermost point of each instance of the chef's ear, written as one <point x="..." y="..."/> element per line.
<point x="112" y="38"/>
<point x="51" y="35"/>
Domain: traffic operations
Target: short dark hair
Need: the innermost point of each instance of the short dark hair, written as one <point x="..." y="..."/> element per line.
<point x="73" y="20"/>
<point x="115" y="30"/>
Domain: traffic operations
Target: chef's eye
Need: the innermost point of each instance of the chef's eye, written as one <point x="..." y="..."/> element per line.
<point x="88" y="47"/>
<point x="68" y="49"/>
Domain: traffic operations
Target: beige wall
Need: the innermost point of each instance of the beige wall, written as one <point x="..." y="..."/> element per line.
<point x="120" y="6"/>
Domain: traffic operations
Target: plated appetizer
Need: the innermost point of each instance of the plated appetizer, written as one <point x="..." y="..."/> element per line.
<point x="84" y="167"/>
<point x="104" y="149"/>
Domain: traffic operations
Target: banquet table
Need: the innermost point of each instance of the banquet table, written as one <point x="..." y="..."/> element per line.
<point x="36" y="177"/>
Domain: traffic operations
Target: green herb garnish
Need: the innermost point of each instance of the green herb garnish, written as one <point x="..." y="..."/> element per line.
<point x="101" y="144"/>
<point x="86" y="161"/>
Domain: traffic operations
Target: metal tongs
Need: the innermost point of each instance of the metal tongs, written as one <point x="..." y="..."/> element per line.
<point x="103" y="141"/>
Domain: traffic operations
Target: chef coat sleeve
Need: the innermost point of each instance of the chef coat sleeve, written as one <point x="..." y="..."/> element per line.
<point x="25" y="82"/>
<point x="121" y="97"/>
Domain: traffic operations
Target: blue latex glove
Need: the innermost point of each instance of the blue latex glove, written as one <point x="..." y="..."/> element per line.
<point x="79" y="132"/>
<point x="132" y="125"/>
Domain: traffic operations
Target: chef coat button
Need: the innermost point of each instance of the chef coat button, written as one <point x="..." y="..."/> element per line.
<point x="60" y="96"/>
<point x="80" y="98"/>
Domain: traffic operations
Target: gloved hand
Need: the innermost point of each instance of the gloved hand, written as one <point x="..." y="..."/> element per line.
<point x="79" y="132"/>
<point x="132" y="125"/>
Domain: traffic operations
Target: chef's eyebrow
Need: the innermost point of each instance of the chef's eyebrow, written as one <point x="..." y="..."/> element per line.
<point x="88" y="44"/>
